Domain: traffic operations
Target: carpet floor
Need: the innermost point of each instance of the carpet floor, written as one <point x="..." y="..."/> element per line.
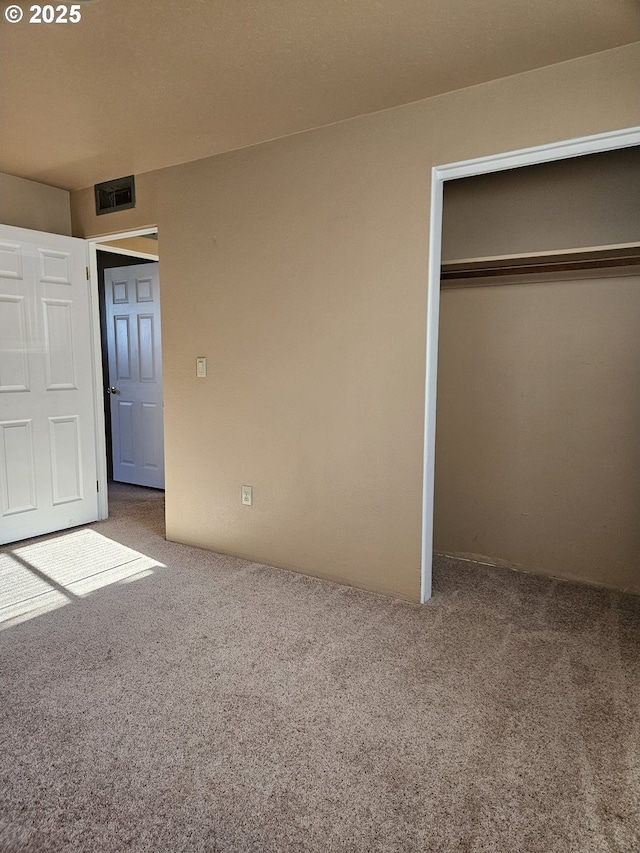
<point x="157" y="697"/>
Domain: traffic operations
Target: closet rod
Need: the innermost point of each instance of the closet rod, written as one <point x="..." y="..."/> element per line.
<point x="541" y="264"/>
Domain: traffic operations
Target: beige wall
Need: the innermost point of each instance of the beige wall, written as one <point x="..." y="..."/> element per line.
<point x="28" y="204"/>
<point x="582" y="202"/>
<point x="299" y="269"/>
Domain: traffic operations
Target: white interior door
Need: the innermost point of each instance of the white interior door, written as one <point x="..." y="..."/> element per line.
<point x="48" y="475"/>
<point x="132" y="296"/>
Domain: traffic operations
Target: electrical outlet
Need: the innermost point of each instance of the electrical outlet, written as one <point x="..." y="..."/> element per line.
<point x="247" y="496"/>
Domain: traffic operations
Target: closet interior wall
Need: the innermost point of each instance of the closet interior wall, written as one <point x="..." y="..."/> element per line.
<point x="538" y="409"/>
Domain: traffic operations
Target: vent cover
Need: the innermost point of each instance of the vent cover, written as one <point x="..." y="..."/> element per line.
<point x="115" y="195"/>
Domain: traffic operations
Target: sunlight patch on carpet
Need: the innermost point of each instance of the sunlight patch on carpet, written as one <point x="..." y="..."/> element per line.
<point x="38" y="578"/>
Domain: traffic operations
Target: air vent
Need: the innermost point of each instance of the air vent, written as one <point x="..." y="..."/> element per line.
<point x="115" y="195"/>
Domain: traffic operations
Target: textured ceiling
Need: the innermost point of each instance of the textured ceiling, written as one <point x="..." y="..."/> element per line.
<point x="142" y="84"/>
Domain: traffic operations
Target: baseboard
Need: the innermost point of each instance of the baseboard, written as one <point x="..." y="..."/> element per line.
<point x="514" y="567"/>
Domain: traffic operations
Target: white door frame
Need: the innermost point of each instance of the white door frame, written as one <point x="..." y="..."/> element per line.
<point x="101" y="440"/>
<point x="465" y="169"/>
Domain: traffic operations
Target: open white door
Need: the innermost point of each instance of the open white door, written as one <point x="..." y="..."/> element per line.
<point x="48" y="475"/>
<point x="132" y="297"/>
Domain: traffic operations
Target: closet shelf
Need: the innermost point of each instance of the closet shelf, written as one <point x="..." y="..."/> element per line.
<point x="601" y="257"/>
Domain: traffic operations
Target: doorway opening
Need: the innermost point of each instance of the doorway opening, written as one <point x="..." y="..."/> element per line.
<point x="125" y="271"/>
<point x="440" y="174"/>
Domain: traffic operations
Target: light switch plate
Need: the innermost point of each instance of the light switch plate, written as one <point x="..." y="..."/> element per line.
<point x="201" y="367"/>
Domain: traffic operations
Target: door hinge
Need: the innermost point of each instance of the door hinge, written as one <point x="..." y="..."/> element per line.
<point x="97" y="485"/>
<point x="87" y="269"/>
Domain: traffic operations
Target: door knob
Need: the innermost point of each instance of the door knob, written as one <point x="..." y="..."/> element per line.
<point x="112" y="390"/>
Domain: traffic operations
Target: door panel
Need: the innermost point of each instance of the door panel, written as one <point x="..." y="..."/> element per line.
<point x="124" y="421"/>
<point x="146" y="348"/>
<point x="122" y="349"/>
<point x="48" y="477"/>
<point x="65" y="459"/>
<point x="132" y="296"/>
<point x="58" y="334"/>
<point x="13" y="367"/>
<point x="16" y="449"/>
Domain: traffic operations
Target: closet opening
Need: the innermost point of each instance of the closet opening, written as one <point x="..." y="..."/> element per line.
<point x="538" y="403"/>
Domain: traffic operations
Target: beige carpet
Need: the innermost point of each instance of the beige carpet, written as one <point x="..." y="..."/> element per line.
<point x="157" y="697"/>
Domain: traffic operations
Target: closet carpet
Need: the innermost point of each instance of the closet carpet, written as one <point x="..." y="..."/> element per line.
<point x="171" y="699"/>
